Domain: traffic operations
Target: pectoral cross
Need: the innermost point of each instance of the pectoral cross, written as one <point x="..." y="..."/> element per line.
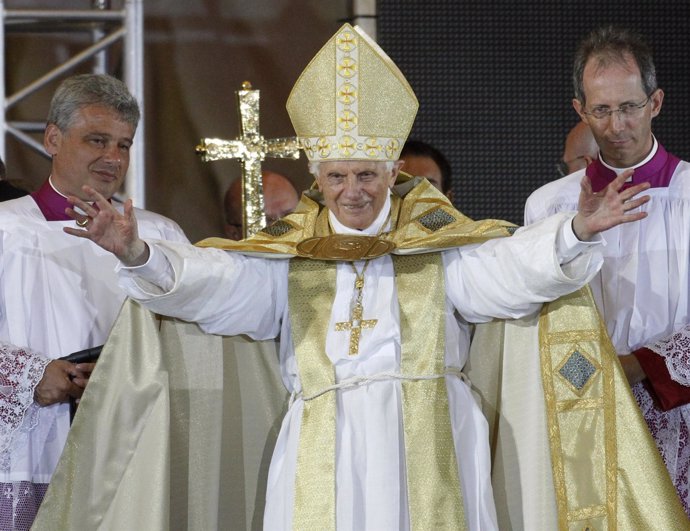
<point x="251" y="149"/>
<point x="356" y="323"/>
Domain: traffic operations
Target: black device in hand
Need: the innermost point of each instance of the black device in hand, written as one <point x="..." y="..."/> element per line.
<point x="88" y="355"/>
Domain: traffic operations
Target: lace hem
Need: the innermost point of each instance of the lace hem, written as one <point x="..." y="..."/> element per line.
<point x="675" y="349"/>
<point x="19" y="504"/>
<point x="20" y="372"/>
<point x="671" y="432"/>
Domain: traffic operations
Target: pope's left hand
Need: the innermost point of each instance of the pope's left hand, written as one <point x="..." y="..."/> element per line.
<point x="599" y="211"/>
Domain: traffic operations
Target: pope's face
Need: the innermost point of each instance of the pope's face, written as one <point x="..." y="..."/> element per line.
<point x="93" y="150"/>
<point x="355" y="191"/>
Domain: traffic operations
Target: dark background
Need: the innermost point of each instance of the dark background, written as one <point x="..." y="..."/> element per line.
<point x="494" y="83"/>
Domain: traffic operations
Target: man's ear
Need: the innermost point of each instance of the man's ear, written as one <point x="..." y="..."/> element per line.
<point x="657" y="99"/>
<point x="579" y="109"/>
<point x="52" y="139"/>
<point x="394" y="172"/>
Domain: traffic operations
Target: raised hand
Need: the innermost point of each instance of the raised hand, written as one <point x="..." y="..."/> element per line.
<point x="599" y="211"/>
<point x="106" y="227"/>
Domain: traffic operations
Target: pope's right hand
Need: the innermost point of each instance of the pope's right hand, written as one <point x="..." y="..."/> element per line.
<point x="105" y="226"/>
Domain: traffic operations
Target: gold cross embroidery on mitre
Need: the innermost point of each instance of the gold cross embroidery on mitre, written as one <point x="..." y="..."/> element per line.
<point x="251" y="149"/>
<point x="356" y="323"/>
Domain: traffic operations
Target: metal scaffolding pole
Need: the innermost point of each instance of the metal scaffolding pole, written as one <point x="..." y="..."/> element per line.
<point x="364" y="16"/>
<point x="105" y="27"/>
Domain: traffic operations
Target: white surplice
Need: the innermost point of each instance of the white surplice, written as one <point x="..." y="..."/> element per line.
<point x="58" y="295"/>
<point x="228" y="293"/>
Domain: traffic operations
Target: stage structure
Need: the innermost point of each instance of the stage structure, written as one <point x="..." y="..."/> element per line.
<point x="107" y="24"/>
<point x="364" y="16"/>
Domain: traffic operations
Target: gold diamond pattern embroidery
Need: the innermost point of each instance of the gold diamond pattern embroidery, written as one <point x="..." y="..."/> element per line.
<point x="435" y="220"/>
<point x="278" y="228"/>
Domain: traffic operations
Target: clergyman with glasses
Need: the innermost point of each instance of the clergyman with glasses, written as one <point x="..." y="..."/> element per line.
<point x="643" y="289"/>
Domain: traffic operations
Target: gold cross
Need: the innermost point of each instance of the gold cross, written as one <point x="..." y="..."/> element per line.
<point x="251" y="148"/>
<point x="355" y="326"/>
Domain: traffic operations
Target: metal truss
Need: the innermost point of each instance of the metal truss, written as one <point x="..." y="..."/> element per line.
<point x="104" y="27"/>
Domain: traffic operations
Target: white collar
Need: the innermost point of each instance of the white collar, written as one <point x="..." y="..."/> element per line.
<point x="655" y="147"/>
<point x="75" y="207"/>
<point x="50" y="182"/>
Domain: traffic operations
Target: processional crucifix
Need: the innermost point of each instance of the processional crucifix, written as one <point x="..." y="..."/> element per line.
<point x="251" y="149"/>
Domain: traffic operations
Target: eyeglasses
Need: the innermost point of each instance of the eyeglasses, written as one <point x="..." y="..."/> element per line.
<point x="627" y="110"/>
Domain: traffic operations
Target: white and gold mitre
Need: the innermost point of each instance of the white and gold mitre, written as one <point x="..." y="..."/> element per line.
<point x="352" y="102"/>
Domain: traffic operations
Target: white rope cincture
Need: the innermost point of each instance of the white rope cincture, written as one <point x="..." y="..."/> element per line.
<point x="357" y="381"/>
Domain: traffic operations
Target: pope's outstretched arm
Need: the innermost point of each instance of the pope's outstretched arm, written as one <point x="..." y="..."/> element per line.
<point x="118" y="234"/>
<point x="561" y="252"/>
<point x="225" y="293"/>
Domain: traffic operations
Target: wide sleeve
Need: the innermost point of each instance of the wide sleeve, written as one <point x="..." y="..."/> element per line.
<point x="225" y="293"/>
<point x="560" y="195"/>
<point x="21" y="370"/>
<point x="534" y="208"/>
<point x="511" y="277"/>
<point x="666" y="363"/>
<point x="157" y="227"/>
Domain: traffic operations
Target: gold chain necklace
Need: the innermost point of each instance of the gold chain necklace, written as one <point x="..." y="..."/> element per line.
<point x="356" y="323"/>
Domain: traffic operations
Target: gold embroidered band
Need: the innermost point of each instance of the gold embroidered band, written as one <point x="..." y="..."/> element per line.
<point x="575" y="369"/>
<point x="607" y="471"/>
<point x="311" y="291"/>
<point x="434" y="491"/>
<point x="433" y="485"/>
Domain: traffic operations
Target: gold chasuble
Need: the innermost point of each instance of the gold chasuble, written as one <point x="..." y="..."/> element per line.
<point x="149" y="448"/>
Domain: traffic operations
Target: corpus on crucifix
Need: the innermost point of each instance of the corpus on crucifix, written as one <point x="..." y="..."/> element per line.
<point x="251" y="148"/>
